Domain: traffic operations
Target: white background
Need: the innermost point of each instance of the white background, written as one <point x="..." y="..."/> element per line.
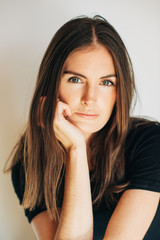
<point x="26" y="28"/>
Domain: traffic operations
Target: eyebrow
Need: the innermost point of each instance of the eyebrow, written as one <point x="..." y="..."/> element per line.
<point x="79" y="74"/>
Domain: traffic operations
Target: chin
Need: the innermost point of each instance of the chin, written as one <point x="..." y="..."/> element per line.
<point x="88" y="129"/>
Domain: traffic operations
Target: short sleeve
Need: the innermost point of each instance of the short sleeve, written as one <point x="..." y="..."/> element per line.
<point x="143" y="158"/>
<point x="18" y="181"/>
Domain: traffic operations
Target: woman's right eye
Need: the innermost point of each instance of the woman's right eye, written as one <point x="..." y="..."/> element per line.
<point x="74" y="80"/>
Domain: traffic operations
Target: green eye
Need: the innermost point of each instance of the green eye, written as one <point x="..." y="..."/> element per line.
<point x="74" y="80"/>
<point x="107" y="83"/>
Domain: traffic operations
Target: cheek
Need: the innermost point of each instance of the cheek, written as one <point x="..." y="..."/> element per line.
<point x="108" y="101"/>
<point x="67" y="97"/>
<point x="63" y="94"/>
<point x="108" y="106"/>
<point x="114" y="98"/>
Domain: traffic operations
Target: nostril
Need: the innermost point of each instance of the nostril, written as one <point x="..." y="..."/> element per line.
<point x="88" y="101"/>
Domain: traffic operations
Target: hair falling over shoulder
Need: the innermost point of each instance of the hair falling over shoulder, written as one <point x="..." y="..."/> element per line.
<point x="42" y="156"/>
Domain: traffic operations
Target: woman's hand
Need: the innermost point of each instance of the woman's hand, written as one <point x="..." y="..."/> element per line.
<point x="66" y="132"/>
<point x="77" y="201"/>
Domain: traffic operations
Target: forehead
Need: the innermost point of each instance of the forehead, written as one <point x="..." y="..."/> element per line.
<point x="93" y="57"/>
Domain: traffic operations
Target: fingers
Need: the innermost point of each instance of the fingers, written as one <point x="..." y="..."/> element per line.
<point x="65" y="131"/>
<point x="61" y="124"/>
<point x="63" y="109"/>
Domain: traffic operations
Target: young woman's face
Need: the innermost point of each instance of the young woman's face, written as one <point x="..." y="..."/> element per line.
<point x="88" y="86"/>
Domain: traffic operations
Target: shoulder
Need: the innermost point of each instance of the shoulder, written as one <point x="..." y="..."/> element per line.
<point x="139" y="125"/>
<point x="142" y="155"/>
<point x="142" y="132"/>
<point x="18" y="181"/>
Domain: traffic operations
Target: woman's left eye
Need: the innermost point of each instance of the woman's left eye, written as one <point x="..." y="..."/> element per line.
<point x="107" y="83"/>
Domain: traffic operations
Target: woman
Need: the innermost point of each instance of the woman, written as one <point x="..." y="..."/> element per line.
<point x="84" y="169"/>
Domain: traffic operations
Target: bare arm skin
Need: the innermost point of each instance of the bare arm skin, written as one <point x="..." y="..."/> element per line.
<point x="133" y="215"/>
<point x="130" y="220"/>
<point x="44" y="227"/>
<point x="76" y="218"/>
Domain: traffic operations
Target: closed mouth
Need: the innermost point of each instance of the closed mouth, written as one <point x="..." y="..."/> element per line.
<point x="87" y="115"/>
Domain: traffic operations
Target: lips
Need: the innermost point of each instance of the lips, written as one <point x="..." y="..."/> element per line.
<point x="87" y="115"/>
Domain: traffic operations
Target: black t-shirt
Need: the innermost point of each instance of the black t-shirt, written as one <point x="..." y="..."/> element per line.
<point x="142" y="169"/>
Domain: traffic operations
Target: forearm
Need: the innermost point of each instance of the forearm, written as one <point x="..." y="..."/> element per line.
<point x="76" y="219"/>
<point x="132" y="215"/>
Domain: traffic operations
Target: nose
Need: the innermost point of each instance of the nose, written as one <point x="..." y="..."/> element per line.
<point x="89" y="95"/>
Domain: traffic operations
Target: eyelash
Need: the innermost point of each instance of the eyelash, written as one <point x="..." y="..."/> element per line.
<point x="70" y="79"/>
<point x="80" y="81"/>
<point x="108" y="81"/>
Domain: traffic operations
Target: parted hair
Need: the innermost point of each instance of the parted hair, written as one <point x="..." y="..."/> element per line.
<point x="43" y="156"/>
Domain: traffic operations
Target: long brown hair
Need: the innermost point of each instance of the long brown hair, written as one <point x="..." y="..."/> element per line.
<point x="42" y="155"/>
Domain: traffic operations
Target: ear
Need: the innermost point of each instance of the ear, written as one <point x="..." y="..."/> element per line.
<point x="40" y="111"/>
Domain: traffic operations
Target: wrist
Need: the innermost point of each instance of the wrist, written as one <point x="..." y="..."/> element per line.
<point x="77" y="153"/>
<point x="77" y="146"/>
<point x="77" y="156"/>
